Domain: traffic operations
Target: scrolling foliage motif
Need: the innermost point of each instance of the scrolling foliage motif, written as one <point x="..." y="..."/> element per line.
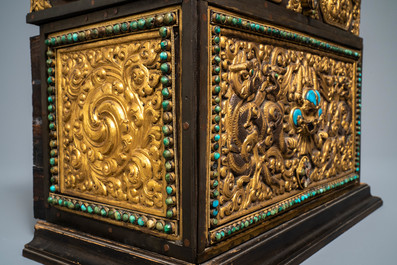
<point x="344" y="14"/>
<point x="37" y="5"/>
<point x="111" y="119"/>
<point x="286" y="123"/>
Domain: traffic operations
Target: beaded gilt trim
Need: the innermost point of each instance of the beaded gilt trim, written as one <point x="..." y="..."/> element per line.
<point x="164" y="22"/>
<point x="249" y="221"/>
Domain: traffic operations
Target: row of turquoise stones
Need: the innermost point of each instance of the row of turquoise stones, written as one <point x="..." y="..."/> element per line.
<point x="278" y="33"/>
<point x="224" y="233"/>
<point x="114" y="29"/>
<point x="358" y="115"/>
<point x="166" y="80"/>
<point x="215" y="127"/>
<point x="167" y="87"/>
<point x="113" y="213"/>
<point x="52" y="119"/>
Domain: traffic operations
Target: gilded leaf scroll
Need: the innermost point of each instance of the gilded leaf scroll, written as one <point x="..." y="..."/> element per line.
<point x="111" y="119"/>
<point x="287" y="123"/>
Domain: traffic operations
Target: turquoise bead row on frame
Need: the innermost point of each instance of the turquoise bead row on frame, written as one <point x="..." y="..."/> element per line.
<point x="164" y="23"/>
<point x="265" y="214"/>
<point x="215" y="126"/>
<point x="253" y="27"/>
<point x="358" y="115"/>
<point x="120" y="215"/>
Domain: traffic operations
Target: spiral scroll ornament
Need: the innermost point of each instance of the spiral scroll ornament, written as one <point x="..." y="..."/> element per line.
<point x="110" y="106"/>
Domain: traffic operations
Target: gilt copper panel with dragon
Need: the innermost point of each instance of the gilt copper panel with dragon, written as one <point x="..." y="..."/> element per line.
<point x="287" y="118"/>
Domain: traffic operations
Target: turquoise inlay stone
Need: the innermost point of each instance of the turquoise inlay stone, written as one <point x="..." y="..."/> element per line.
<point x="242" y="225"/>
<point x="222" y="234"/>
<point x="51" y="117"/>
<point x="117" y="216"/>
<point x="295" y="115"/>
<point x="215" y="184"/>
<point x="83" y="208"/>
<point x="165" y="80"/>
<point x="124" y="27"/>
<point x="168" y="166"/>
<point x="215" y="203"/>
<point x="163" y="32"/>
<point x="50" y="80"/>
<point x="217" y="59"/>
<point x="253" y="26"/>
<point x="53" y="41"/>
<point x="216" y="156"/>
<point x="89" y="209"/>
<point x="52" y="161"/>
<point x="167" y="228"/>
<point x="116" y="28"/>
<point x="141" y="23"/>
<point x="75" y="37"/>
<point x="53" y="188"/>
<point x="132" y="219"/>
<point x="311" y="96"/>
<point x="50" y="200"/>
<point x="51" y="71"/>
<point x="125" y="217"/>
<point x="164" y="45"/>
<point x="169" y="18"/>
<point x="218" y="236"/>
<point x="150" y="22"/>
<point x="217" y="79"/>
<point x="165" y="68"/>
<point x="70" y="205"/>
<point x="166" y="105"/>
<point x="51" y="108"/>
<point x="167" y="154"/>
<point x="217" y="118"/>
<point x="166" y="141"/>
<point x="320" y="112"/>
<point x="169" y="201"/>
<point x="134" y="25"/>
<point x="217" y="89"/>
<point x="169" y="190"/>
<point x="166" y="130"/>
<point x="214" y="213"/>
<point x="163" y="56"/>
<point x="217" y="39"/>
<point x="218" y="18"/>
<point x="217" y="128"/>
<point x="217" y="137"/>
<point x="218" y="109"/>
<point x="103" y="212"/>
<point x="215" y="193"/>
<point x="357" y="169"/>
<point x="60" y="202"/>
<point x="217" y="30"/>
<point x="159" y="226"/>
<point x="169" y="214"/>
<point x="141" y="222"/>
<point x="217" y="70"/>
<point x="165" y="92"/>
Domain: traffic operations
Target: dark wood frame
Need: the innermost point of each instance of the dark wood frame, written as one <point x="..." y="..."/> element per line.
<point x="192" y="97"/>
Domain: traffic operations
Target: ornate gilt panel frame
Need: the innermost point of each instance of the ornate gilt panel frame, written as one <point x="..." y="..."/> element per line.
<point x="112" y="120"/>
<point x="284" y="121"/>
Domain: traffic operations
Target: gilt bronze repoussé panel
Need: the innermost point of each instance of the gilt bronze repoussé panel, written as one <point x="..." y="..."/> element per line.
<point x="282" y="124"/>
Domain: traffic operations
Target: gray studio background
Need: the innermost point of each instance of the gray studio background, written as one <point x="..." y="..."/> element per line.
<point x="372" y="241"/>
